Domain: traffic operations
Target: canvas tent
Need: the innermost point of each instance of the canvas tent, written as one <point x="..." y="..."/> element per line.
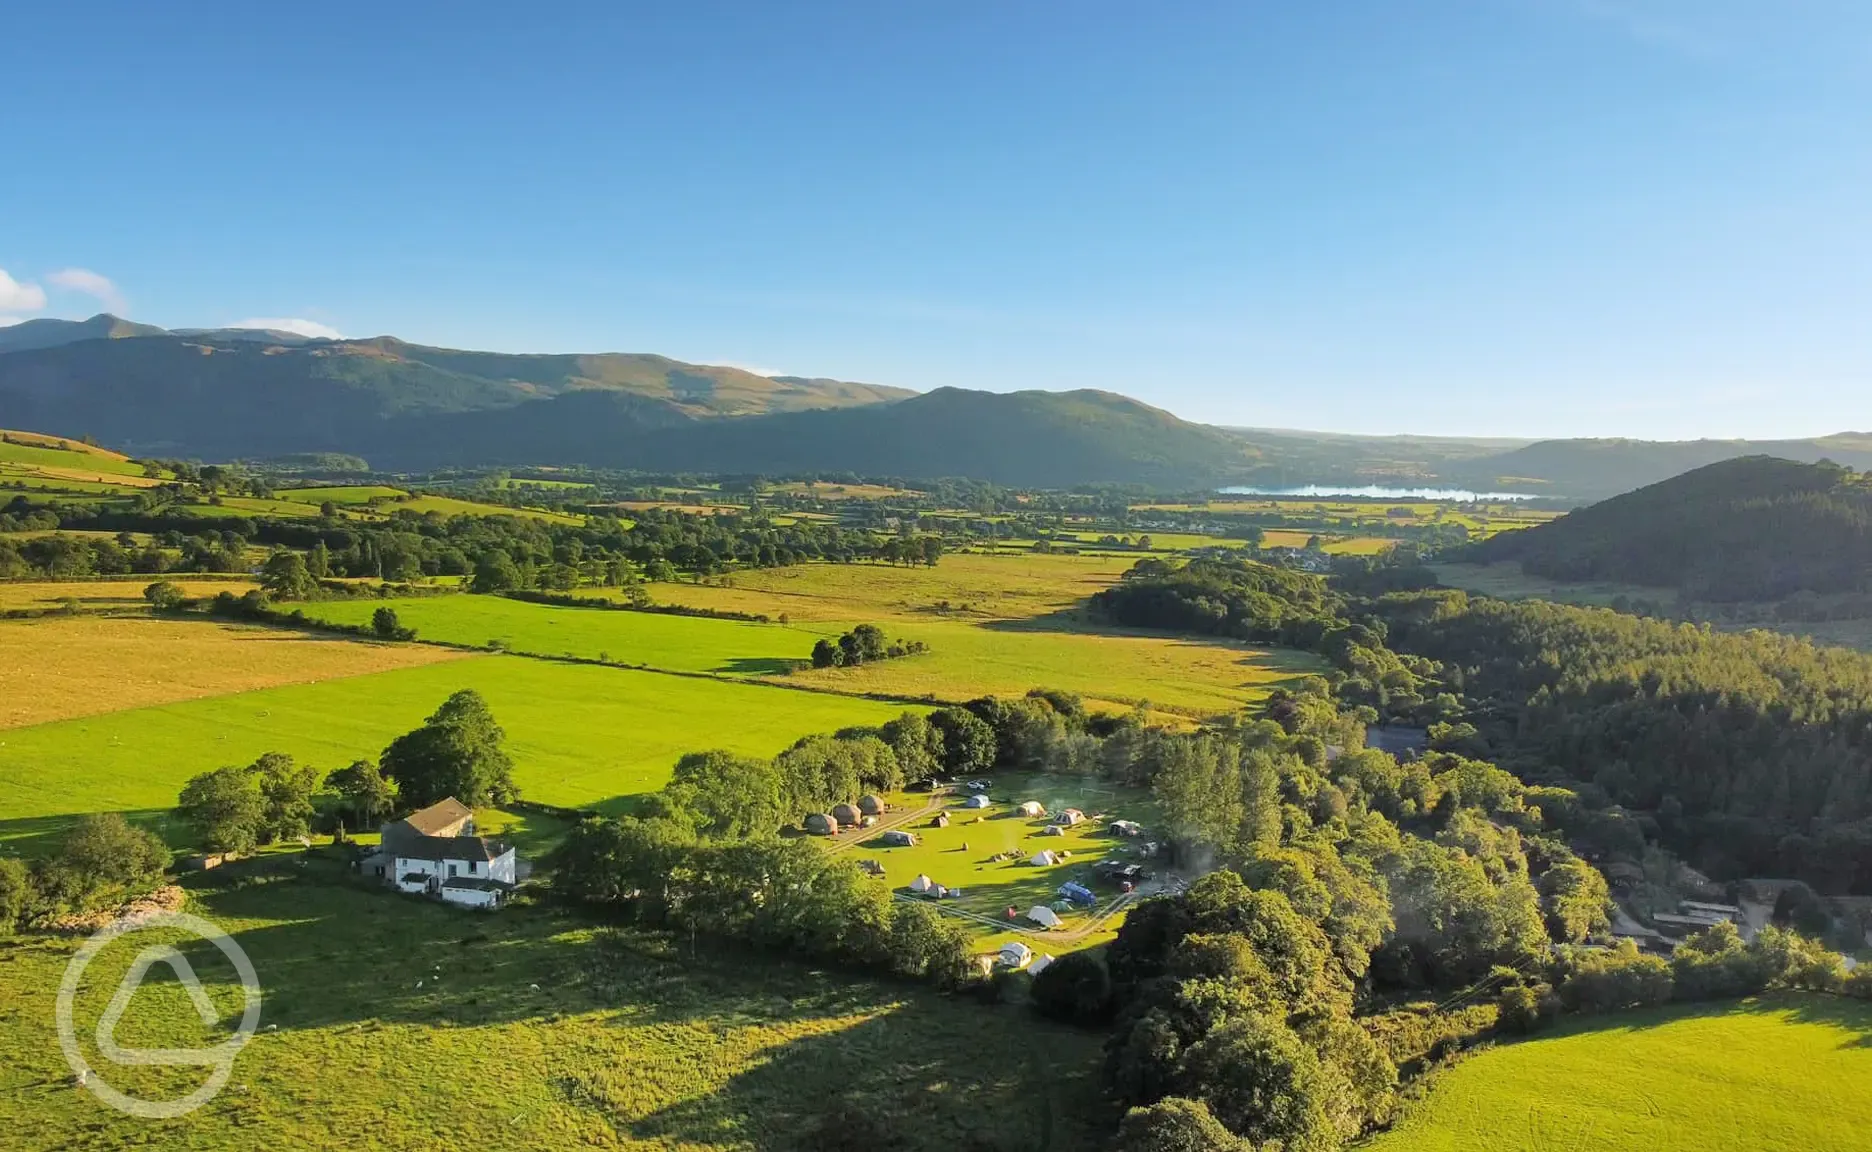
<point x="1071" y="816"/>
<point x="871" y="805"/>
<point x="941" y="820"/>
<point x="845" y="814"/>
<point x="896" y="838"/>
<point x="921" y="884"/>
<point x="1041" y="963"/>
<point x="1032" y="808"/>
<point x="1042" y="915"/>
<point x="979" y="800"/>
<point x="1044" y="859"/>
<point x="1015" y="954"/>
<point x="1127" y="828"/>
<point x="820" y="824"/>
<point x="1052" y="830"/>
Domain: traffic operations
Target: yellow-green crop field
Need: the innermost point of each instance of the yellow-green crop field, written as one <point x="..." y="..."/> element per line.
<point x="1784" y="1074"/>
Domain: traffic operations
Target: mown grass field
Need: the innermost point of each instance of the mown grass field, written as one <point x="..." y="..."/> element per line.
<point x="1786" y="1074"/>
<point x="107" y="595"/>
<point x="1009" y="587"/>
<point x="530" y="1031"/>
<point x="59" y="667"/>
<point x="343" y="495"/>
<point x="450" y="506"/>
<point x="681" y="643"/>
<point x="967" y="658"/>
<point x="1112" y="670"/>
<point x="579" y="734"/>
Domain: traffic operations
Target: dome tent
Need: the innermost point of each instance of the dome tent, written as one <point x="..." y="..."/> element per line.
<point x="1042" y="915"/>
<point x="1032" y="808"/>
<point x="921" y="884"/>
<point x="846" y="814"/>
<point x="1015" y="954"/>
<point x="1044" y="859"/>
<point x="871" y="805"/>
<point x="820" y="824"/>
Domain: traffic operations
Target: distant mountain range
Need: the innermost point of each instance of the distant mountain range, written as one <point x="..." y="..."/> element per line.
<point x="225" y="393"/>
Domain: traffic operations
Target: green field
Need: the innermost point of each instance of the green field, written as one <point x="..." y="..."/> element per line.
<point x="1787" y="1074"/>
<point x="579" y="734"/>
<point x="967" y="658"/>
<point x="529" y="1031"/>
<point x="78" y="456"/>
<point x="450" y="506"/>
<point x="681" y="643"/>
<point x="343" y="495"/>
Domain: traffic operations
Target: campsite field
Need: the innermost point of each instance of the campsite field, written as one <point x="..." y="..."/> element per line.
<point x="962" y="854"/>
<point x="60" y="667"/>
<point x="531" y="1030"/>
<point x="579" y="734"/>
<point x="1784" y="1073"/>
<point x="681" y="643"/>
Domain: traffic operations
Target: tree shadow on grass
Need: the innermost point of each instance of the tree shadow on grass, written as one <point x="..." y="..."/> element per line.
<point x="759" y="666"/>
<point x="33" y="836"/>
<point x="1849" y="1015"/>
<point x="927" y="1073"/>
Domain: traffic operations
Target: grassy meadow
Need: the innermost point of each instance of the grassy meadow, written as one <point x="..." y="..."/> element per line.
<point x="61" y="667"/>
<point x="1783" y="1074"/>
<point x="108" y="595"/>
<point x="680" y="643"/>
<point x="579" y="734"/>
<point x="529" y="1030"/>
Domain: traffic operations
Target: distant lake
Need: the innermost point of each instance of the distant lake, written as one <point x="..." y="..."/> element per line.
<point x="1379" y="492"/>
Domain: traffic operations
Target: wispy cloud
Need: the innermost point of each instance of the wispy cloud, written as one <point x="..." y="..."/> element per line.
<point x="311" y="328"/>
<point x="758" y="371"/>
<point x="9" y="321"/>
<point x="17" y="297"/>
<point x="91" y="284"/>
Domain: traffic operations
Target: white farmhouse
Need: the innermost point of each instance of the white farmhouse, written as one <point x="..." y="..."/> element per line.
<point x="435" y="851"/>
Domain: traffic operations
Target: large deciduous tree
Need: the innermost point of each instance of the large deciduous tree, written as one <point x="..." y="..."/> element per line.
<point x="459" y="751"/>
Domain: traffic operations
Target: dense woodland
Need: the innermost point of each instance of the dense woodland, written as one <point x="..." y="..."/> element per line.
<point x="1757" y="528"/>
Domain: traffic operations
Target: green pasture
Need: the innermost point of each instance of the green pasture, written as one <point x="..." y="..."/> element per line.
<point x="1783" y="1074"/>
<point x="343" y="495"/>
<point x="579" y="734"/>
<point x="78" y="457"/>
<point x="394" y="1023"/>
<point x="450" y="506"/>
<point x="680" y="643"/>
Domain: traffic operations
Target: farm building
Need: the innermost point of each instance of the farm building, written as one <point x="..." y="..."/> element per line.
<point x="922" y="884"/>
<point x="1044" y="859"/>
<point x="1032" y="808"/>
<point x="871" y="805"/>
<point x="820" y="824"/>
<point x="846" y="814"/>
<point x="1042" y="915"/>
<point x="1015" y="954"/>
<point x="1070" y="817"/>
<point x="979" y="800"/>
<point x="897" y="838"/>
<point x="435" y="852"/>
<point x="941" y="820"/>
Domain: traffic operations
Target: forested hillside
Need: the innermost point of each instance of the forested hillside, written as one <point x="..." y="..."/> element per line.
<point x="1595" y="469"/>
<point x="1750" y="753"/>
<point x="1756" y="528"/>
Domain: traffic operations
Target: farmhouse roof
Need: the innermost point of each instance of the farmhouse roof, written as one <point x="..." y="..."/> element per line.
<point x="478" y="883"/>
<point x="439" y="818"/>
<point x="439" y="848"/>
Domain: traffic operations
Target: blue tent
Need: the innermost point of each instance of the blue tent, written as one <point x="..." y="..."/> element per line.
<point x="1077" y="893"/>
<point x="976" y="801"/>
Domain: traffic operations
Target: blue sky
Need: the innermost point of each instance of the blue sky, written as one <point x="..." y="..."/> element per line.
<point x="1525" y="217"/>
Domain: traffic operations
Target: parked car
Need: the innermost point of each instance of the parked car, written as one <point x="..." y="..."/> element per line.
<point x="978" y="785"/>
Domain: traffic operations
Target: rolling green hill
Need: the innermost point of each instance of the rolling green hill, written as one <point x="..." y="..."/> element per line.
<point x="1755" y="528"/>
